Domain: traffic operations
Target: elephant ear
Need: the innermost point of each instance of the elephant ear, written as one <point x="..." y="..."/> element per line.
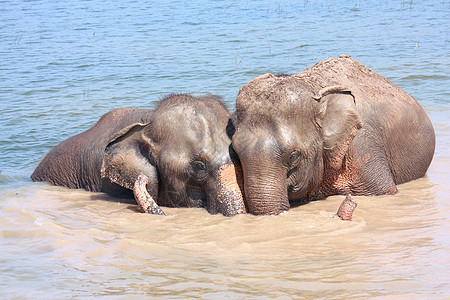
<point x="339" y="120"/>
<point x="127" y="156"/>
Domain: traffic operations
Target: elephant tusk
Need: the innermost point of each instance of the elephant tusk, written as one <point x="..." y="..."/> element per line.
<point x="143" y="198"/>
<point x="346" y="208"/>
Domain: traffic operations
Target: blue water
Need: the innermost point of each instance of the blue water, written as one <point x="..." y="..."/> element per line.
<point x="65" y="63"/>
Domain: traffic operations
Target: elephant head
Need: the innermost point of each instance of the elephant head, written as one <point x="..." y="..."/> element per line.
<point x="286" y="133"/>
<point x="184" y="154"/>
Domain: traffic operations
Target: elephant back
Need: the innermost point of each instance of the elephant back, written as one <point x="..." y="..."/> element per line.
<point x="76" y="161"/>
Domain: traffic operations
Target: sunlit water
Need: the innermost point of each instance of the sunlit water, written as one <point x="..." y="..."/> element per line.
<point x="65" y="64"/>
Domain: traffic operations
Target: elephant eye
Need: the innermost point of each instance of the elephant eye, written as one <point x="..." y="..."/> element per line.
<point x="292" y="159"/>
<point x="198" y="170"/>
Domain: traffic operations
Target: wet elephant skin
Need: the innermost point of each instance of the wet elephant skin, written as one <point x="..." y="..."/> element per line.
<point x="181" y="148"/>
<point x="336" y="128"/>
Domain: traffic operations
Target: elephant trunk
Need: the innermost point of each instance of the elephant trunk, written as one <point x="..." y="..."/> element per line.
<point x="229" y="200"/>
<point x="146" y="202"/>
<point x="265" y="190"/>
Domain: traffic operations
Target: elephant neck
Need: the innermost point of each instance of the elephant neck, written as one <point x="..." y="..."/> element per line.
<point x="337" y="181"/>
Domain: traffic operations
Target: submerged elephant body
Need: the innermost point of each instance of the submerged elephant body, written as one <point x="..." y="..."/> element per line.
<point x="181" y="148"/>
<point x="335" y="128"/>
<point x="76" y="162"/>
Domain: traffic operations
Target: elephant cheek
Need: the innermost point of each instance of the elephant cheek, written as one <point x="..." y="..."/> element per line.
<point x="230" y="200"/>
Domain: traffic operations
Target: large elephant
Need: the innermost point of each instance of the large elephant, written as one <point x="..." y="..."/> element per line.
<point x="181" y="150"/>
<point x="335" y="128"/>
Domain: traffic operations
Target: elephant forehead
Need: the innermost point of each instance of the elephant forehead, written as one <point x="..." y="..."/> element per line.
<point x="282" y="122"/>
<point x="289" y="105"/>
<point x="213" y="146"/>
<point x="286" y="134"/>
<point x="195" y="136"/>
<point x="205" y="133"/>
<point x="179" y="126"/>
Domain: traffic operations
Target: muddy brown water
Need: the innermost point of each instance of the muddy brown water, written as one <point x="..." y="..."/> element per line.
<point x="83" y="244"/>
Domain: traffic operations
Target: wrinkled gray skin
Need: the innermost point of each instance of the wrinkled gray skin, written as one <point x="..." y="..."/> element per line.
<point x="335" y="128"/>
<point x="182" y="147"/>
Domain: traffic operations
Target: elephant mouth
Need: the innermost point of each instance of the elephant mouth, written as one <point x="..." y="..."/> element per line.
<point x="295" y="189"/>
<point x="196" y="196"/>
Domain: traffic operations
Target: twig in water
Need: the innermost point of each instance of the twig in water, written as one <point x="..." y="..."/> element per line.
<point x="236" y="63"/>
<point x="417" y="46"/>
<point x="18" y="39"/>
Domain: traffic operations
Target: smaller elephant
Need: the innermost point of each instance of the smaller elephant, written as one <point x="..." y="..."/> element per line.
<point x="177" y="156"/>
